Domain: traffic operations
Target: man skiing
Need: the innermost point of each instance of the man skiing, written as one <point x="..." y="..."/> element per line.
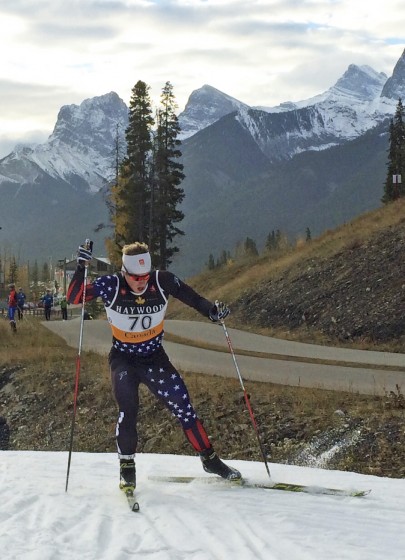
<point x="135" y="301"/>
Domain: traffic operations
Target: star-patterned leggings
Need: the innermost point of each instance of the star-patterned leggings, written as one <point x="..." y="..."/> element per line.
<point x="165" y="382"/>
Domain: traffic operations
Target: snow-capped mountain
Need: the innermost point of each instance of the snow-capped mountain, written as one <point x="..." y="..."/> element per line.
<point x="358" y="101"/>
<point x="205" y="106"/>
<point x="359" y="84"/>
<point x="395" y="86"/>
<point x="344" y="112"/>
<point x="313" y="164"/>
<point x="80" y="150"/>
<point x="228" y="149"/>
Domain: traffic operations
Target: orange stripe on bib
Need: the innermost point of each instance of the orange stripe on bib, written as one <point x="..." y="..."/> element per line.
<point x="134" y="337"/>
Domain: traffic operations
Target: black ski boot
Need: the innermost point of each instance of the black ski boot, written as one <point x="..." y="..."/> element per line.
<point x="213" y="464"/>
<point x="127" y="475"/>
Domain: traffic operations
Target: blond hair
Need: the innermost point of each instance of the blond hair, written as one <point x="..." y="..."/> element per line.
<point x="137" y="248"/>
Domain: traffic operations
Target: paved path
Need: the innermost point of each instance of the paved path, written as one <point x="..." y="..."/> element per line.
<point x="364" y="380"/>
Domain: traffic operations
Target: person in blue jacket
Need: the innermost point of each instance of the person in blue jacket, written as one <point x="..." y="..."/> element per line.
<point x="21" y="297"/>
<point x="48" y="302"/>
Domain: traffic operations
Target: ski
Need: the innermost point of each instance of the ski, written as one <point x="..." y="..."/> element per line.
<point x="246" y="483"/>
<point x="132" y="503"/>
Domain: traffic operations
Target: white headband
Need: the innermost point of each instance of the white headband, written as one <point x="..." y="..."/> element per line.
<point x="137" y="264"/>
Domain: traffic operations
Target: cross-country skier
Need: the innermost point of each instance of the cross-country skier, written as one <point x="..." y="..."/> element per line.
<point x="135" y="301"/>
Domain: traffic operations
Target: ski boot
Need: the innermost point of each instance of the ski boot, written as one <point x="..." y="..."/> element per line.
<point x="127" y="475"/>
<point x="213" y="464"/>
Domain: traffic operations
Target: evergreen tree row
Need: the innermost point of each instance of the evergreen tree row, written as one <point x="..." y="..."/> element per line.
<point x="275" y="241"/>
<point x="144" y="200"/>
<point x="394" y="187"/>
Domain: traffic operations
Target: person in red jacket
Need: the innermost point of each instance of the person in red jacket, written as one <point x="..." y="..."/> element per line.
<point x="12" y="307"/>
<point x="135" y="301"/>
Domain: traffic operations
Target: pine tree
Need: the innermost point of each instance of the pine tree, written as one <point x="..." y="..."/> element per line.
<point x="130" y="197"/>
<point x="13" y="271"/>
<point x="250" y="248"/>
<point x="35" y="275"/>
<point x="144" y="201"/>
<point x="396" y="156"/>
<point x="45" y="273"/>
<point x="271" y="241"/>
<point x="211" y="262"/>
<point x="168" y="175"/>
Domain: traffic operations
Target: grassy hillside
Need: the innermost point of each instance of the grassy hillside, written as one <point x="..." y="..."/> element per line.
<point x="354" y="275"/>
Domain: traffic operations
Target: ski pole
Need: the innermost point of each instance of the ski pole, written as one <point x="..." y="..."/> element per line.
<point x="88" y="245"/>
<point x="246" y="396"/>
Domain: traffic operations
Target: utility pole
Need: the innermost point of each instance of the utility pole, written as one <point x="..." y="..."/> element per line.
<point x="62" y="264"/>
<point x="396" y="180"/>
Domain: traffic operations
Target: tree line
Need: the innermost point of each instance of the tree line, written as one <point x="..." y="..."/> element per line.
<point x="145" y="197"/>
<point x="31" y="277"/>
<point x="394" y="187"/>
<point x="276" y="241"/>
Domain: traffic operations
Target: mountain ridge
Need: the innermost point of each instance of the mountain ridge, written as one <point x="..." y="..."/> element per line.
<point x="79" y="156"/>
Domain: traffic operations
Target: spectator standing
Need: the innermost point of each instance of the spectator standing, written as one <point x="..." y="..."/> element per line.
<point x="63" y="308"/>
<point x="21" y="297"/>
<point x="12" y="307"/>
<point x="48" y="302"/>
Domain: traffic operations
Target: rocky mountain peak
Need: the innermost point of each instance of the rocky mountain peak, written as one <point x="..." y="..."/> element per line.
<point x="92" y="124"/>
<point x="205" y="106"/>
<point x="394" y="88"/>
<point x="361" y="81"/>
<point x="80" y="149"/>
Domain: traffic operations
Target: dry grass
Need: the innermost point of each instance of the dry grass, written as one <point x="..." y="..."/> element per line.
<point x="38" y="354"/>
<point x="233" y="278"/>
<point x="36" y="393"/>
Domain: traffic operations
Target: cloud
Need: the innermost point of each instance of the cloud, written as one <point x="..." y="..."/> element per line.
<point x="261" y="52"/>
<point x="9" y="142"/>
<point x="29" y="112"/>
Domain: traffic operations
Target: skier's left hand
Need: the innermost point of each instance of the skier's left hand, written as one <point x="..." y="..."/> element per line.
<point x="219" y="311"/>
<point x="84" y="254"/>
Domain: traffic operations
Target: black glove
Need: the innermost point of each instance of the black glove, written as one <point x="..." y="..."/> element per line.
<point x="218" y="312"/>
<point x="84" y="253"/>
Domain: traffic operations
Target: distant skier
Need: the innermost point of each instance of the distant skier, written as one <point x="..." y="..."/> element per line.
<point x="135" y="301"/>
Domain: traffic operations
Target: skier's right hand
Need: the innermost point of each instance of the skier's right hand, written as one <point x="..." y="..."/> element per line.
<point x="84" y="254"/>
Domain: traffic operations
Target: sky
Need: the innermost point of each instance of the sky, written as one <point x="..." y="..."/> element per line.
<point x="197" y="521"/>
<point x="262" y="52"/>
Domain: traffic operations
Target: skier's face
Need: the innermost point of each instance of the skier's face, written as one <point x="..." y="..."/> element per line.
<point x="137" y="282"/>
